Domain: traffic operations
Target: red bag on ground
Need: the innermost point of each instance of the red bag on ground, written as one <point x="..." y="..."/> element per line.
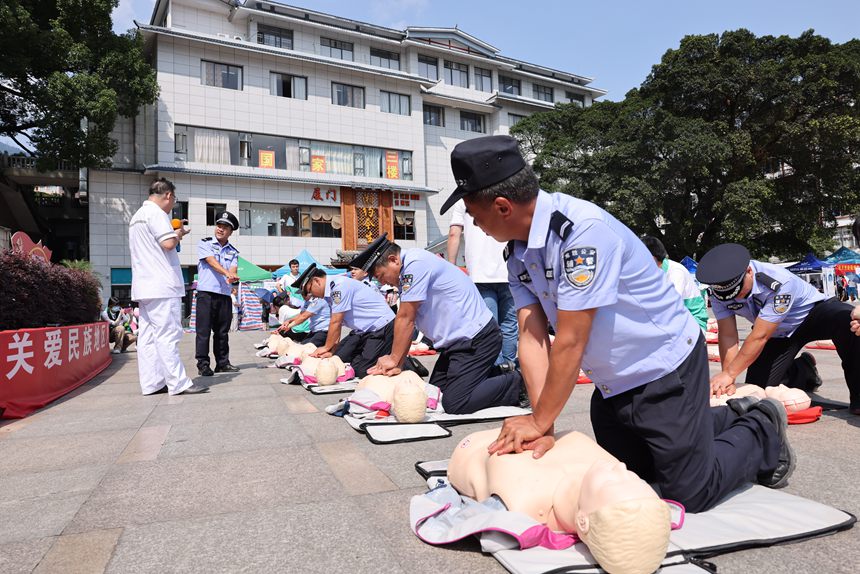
<point x="805" y="416"/>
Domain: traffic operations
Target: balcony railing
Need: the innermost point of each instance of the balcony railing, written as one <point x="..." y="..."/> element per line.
<point x="21" y="162"/>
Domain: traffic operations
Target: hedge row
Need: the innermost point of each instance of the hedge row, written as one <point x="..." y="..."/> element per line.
<point x="37" y="294"/>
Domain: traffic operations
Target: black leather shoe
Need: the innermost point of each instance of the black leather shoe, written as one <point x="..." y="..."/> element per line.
<point x="205" y="372"/>
<point x="808" y="363"/>
<point x="774" y="411"/>
<point x="742" y="405"/>
<point x="228" y="368"/>
<point x="416" y="365"/>
<point x="194" y="390"/>
<point x="160" y="391"/>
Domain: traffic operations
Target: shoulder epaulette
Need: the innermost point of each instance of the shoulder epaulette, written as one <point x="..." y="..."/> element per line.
<point x="560" y="224"/>
<point x="768" y="281"/>
<point x="206" y="239"/>
<point x="509" y="248"/>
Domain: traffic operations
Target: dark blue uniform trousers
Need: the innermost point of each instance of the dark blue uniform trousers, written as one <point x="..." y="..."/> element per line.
<point x="828" y="319"/>
<point x="362" y="350"/>
<point x="214" y="314"/>
<point x="463" y="372"/>
<point x="316" y="338"/>
<point x="666" y="432"/>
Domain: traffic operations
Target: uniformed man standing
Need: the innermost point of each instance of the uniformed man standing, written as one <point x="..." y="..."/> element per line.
<point x="356" y="306"/>
<point x="217" y="265"/>
<point x="446" y="306"/>
<point x="786" y="313"/>
<point x="575" y="266"/>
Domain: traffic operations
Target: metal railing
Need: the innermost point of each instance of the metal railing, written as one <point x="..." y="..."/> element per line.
<point x="22" y="162"/>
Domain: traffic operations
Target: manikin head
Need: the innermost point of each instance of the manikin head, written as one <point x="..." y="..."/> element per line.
<point x="622" y="520"/>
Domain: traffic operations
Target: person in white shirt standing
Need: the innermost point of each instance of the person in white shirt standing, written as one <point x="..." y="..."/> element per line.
<point x="157" y="285"/>
<point x="486" y="266"/>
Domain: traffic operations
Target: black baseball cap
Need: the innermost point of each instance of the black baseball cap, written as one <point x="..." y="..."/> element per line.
<point x="481" y="162"/>
<point x="367" y="258"/>
<point x="723" y="268"/>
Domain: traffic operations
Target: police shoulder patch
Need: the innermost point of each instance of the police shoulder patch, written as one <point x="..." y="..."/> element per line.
<point x="336" y="296"/>
<point x="580" y="266"/>
<point x="781" y="303"/>
<point x="331" y="285"/>
<point x="406" y="282"/>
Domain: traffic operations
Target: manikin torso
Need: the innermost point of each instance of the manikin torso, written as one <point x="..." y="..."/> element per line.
<point x="546" y="489"/>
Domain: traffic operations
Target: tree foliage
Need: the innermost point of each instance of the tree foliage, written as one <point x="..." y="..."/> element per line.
<point x="62" y="63"/>
<point x="734" y="137"/>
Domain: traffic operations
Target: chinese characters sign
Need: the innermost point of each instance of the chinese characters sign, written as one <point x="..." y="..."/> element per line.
<point x="329" y="196"/>
<point x="392" y="170"/>
<point x="318" y="163"/>
<point x="40" y="365"/>
<point x="266" y="159"/>
<point x="405" y="199"/>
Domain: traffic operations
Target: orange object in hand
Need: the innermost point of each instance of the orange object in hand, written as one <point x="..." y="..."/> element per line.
<point x="176" y="223"/>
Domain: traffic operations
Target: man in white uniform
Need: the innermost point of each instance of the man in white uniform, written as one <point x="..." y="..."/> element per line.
<point x="157" y="285"/>
<point x="487" y="269"/>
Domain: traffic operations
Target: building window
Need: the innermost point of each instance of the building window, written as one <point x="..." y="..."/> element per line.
<point x="574" y="98"/>
<point x="346" y="95"/>
<point x="404" y="225"/>
<point x="542" y="93"/>
<point x="384" y="59"/>
<point x="392" y="103"/>
<point x="287" y="86"/>
<point x="336" y="49"/>
<point x="277" y="37"/>
<point x="434" y="116"/>
<point x="277" y="220"/>
<point x="180" y="142"/>
<point x="510" y="85"/>
<point x="514" y="119"/>
<point x="456" y="74"/>
<point x="471" y="122"/>
<point x="406" y="165"/>
<point x="213" y="210"/>
<point x="358" y="163"/>
<point x="428" y="67"/>
<point x="180" y="211"/>
<point x="221" y="75"/>
<point x="483" y="80"/>
<point x="304" y="155"/>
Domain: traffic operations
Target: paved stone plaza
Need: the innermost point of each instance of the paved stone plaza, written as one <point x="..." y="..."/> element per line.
<point x="255" y="477"/>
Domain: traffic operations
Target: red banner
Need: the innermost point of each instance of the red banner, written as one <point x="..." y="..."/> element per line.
<point x="392" y="171"/>
<point x="38" y="366"/>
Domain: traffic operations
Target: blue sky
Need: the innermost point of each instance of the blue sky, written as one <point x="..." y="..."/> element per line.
<point x="614" y="42"/>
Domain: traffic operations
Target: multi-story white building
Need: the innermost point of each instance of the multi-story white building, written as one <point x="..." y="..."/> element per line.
<point x="319" y="132"/>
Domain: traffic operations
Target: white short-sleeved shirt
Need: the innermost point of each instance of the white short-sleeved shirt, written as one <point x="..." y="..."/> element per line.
<point x="155" y="272"/>
<point x="484" y="260"/>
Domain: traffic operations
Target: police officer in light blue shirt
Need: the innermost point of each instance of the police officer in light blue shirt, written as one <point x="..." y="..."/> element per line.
<point x="786" y="312"/>
<point x="446" y="306"/>
<point x="318" y="314"/>
<point x="573" y="265"/>
<point x="217" y="267"/>
<point x="356" y="306"/>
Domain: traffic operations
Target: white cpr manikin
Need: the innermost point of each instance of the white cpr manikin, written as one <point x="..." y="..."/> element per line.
<point x="576" y="487"/>
<point x="406" y="392"/>
<point x="792" y="399"/>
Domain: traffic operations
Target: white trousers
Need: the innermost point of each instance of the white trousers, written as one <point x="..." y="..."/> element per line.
<point x="158" y="336"/>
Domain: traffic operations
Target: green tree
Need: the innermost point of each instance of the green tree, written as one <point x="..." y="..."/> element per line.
<point x="62" y="64"/>
<point x="730" y="138"/>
